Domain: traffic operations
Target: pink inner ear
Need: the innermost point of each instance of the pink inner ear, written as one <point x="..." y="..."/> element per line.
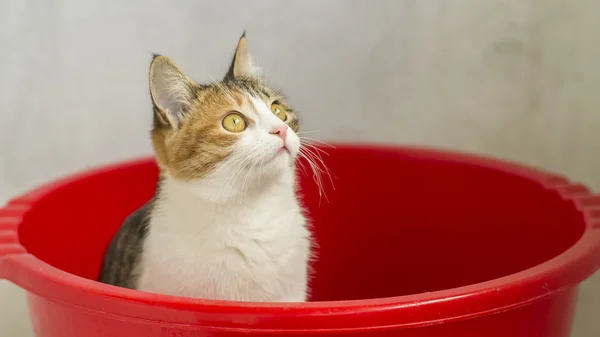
<point x="172" y="97"/>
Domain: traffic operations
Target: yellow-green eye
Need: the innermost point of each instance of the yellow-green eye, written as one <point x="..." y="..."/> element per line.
<point x="279" y="111"/>
<point x="234" y="123"/>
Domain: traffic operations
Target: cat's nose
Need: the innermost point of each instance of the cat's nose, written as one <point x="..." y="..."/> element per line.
<point x="280" y="131"/>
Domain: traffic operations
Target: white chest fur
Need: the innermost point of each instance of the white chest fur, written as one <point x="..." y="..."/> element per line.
<point x="255" y="250"/>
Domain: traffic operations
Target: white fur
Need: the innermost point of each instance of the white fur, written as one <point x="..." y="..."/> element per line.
<point x="238" y="234"/>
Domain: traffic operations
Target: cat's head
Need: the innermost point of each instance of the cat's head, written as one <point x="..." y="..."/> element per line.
<point x="238" y="128"/>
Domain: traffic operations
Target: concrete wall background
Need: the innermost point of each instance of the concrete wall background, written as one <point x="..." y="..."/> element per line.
<point x="516" y="79"/>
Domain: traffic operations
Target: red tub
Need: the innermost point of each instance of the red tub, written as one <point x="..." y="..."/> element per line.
<point x="412" y="242"/>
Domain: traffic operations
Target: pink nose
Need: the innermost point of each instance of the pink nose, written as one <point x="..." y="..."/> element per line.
<point x="280" y="131"/>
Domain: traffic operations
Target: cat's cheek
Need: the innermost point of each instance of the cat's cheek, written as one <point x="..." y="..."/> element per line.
<point x="245" y="146"/>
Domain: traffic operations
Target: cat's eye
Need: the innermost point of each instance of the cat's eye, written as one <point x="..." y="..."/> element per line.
<point x="234" y="122"/>
<point x="279" y="111"/>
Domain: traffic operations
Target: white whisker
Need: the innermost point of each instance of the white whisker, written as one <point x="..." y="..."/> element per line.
<point x="312" y="146"/>
<point x="311" y="154"/>
<point x="234" y="174"/>
<point x="317" y="141"/>
<point x="305" y="132"/>
<point x="228" y="93"/>
<point x="316" y="176"/>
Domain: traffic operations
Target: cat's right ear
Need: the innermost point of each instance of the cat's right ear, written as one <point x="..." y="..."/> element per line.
<point x="172" y="91"/>
<point x="242" y="65"/>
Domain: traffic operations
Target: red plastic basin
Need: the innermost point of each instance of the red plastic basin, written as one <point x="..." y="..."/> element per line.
<point x="412" y="242"/>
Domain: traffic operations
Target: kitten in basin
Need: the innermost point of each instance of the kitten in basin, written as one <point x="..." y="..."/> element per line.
<point x="225" y="222"/>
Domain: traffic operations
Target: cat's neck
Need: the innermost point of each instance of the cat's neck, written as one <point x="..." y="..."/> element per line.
<point x="219" y="191"/>
<point x="193" y="204"/>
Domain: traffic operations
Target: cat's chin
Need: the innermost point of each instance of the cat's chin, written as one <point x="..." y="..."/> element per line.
<point x="281" y="161"/>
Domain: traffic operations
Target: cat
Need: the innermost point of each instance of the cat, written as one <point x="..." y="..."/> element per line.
<point x="225" y="222"/>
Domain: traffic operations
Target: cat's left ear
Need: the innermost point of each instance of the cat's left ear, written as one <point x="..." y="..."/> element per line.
<point x="242" y="65"/>
<point x="172" y="91"/>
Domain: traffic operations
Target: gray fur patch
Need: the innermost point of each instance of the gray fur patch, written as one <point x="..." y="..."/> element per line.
<point x="121" y="261"/>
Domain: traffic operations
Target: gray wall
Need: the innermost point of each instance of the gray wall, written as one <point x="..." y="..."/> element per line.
<point x="512" y="78"/>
